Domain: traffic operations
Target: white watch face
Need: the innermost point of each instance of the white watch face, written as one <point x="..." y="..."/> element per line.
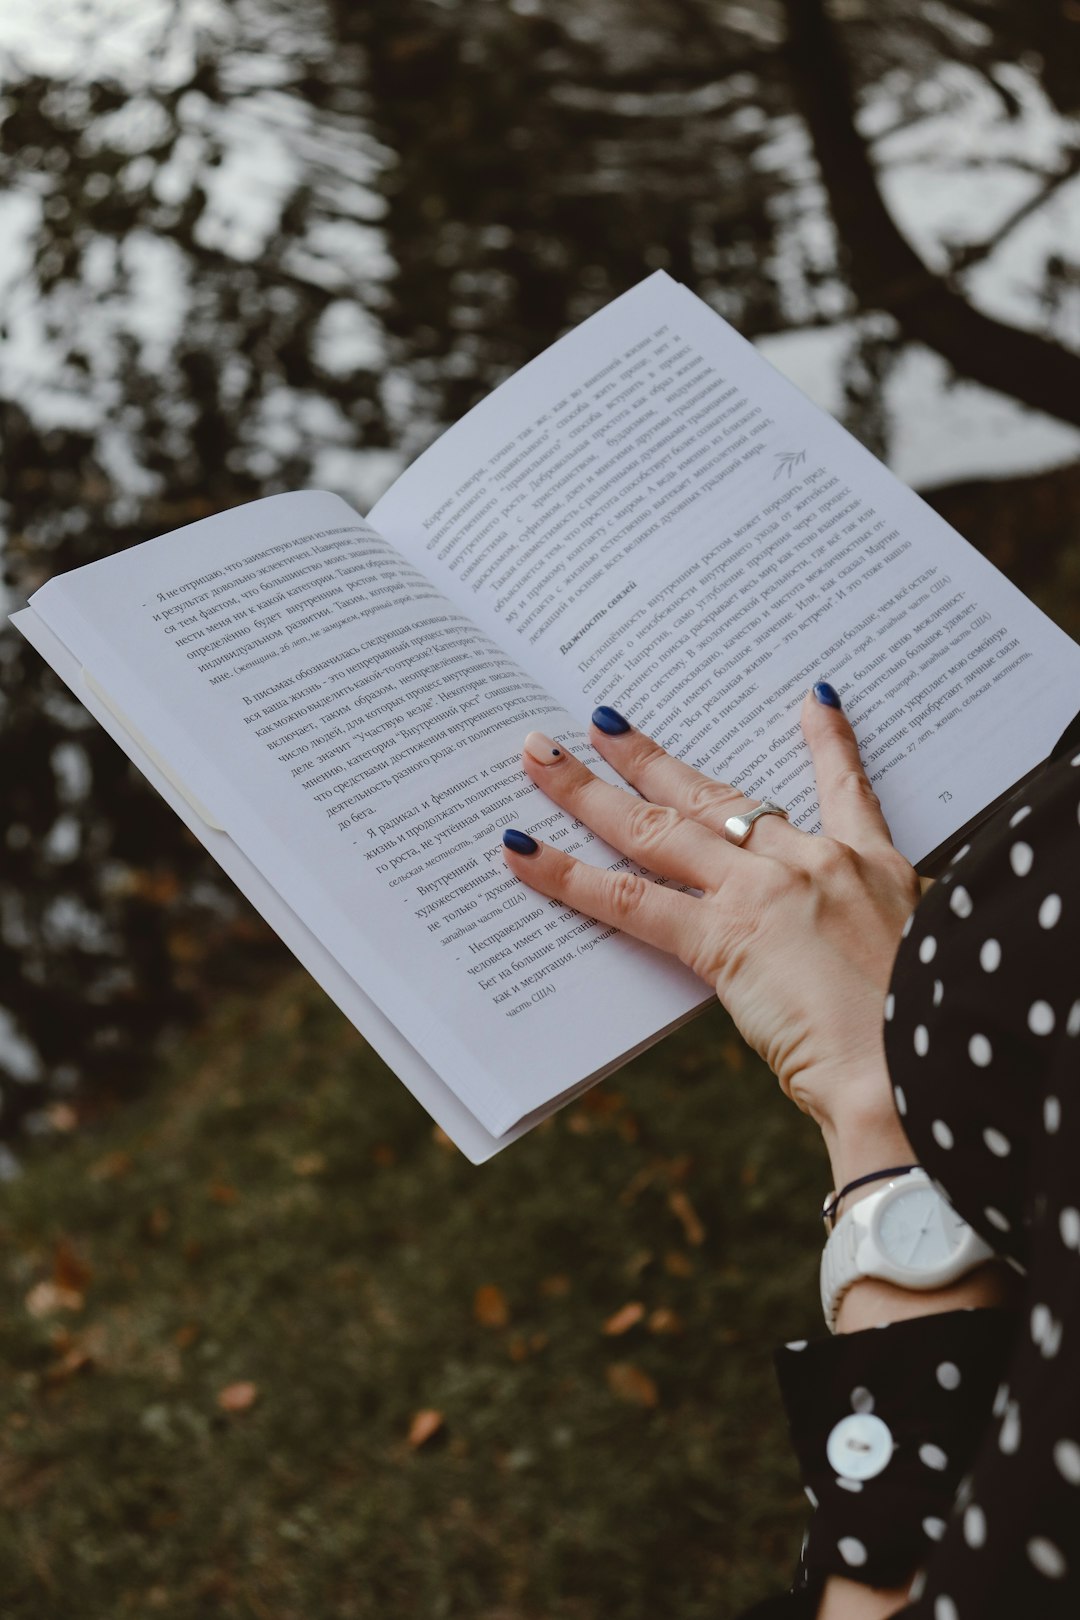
<point x="917" y="1229"/>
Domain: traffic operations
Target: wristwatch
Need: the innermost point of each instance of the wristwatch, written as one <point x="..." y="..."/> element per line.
<point x="907" y="1233"/>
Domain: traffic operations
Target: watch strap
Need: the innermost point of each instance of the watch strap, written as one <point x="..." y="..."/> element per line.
<point x="839" y="1268"/>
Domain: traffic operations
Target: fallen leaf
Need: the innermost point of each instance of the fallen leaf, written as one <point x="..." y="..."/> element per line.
<point x="489" y="1306"/>
<point x="46" y="1297"/>
<point x="222" y="1193"/>
<point x="424" y="1425"/>
<point x="157" y="1221"/>
<point x="677" y="1264"/>
<point x="238" y="1397"/>
<point x="309" y="1164"/>
<point x="73" y="1361"/>
<point x="383" y="1155"/>
<point x="69" y="1269"/>
<point x="439" y="1136"/>
<point x="664" y="1320"/>
<point x="518" y="1348"/>
<point x="733" y="1053"/>
<point x="156" y="888"/>
<point x="628" y="1383"/>
<point x="624" y="1319"/>
<point x="186" y="1334"/>
<point x="111" y="1167"/>
<point x="684" y="1211"/>
<point x="640" y="1180"/>
<point x="556" y="1287"/>
<point x="603" y="1103"/>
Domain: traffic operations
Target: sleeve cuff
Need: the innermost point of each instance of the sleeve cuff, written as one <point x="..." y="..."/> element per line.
<point x="885" y="1424"/>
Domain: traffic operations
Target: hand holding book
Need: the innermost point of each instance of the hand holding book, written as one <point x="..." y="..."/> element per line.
<point x="795" y="933"/>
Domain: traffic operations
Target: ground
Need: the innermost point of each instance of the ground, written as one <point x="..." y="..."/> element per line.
<point x="274" y="1349"/>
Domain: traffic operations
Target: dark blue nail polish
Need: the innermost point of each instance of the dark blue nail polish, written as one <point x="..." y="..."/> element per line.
<point x="609" y="721"/>
<point x="825" y="694"/>
<point x="520" y="842"/>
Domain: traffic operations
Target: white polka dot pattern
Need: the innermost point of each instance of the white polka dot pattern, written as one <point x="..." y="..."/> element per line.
<point x="1067" y="1460"/>
<point x="1047" y="1557"/>
<point x="974" y="1525"/>
<point x="983" y="1005"/>
<point x="980" y="1051"/>
<point x="1021" y="858"/>
<point x="1009" y="1435"/>
<point x="1050" y="911"/>
<point x="1041" y="1018"/>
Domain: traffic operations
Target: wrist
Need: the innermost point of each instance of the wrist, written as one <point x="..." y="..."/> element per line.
<point x="865" y="1143"/>
<point x="856" y="1113"/>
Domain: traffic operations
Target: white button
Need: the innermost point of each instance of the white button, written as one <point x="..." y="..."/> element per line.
<point x="860" y="1446"/>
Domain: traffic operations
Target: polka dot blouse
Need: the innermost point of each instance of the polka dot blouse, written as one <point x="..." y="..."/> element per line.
<point x="965" y="1426"/>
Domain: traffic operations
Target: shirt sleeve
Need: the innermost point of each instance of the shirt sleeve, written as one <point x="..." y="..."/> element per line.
<point x="885" y="1424"/>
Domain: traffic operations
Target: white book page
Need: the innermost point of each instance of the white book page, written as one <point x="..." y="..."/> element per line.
<point x="357" y="739"/>
<point x="421" y="1079"/>
<point x="649" y="515"/>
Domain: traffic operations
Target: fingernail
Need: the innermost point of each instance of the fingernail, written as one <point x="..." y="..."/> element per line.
<point x="610" y="721"/>
<point x="520" y="842"/>
<point x="542" y="749"/>
<point x="825" y="694"/>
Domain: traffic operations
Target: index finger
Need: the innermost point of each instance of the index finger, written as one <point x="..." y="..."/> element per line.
<point x="850" y="809"/>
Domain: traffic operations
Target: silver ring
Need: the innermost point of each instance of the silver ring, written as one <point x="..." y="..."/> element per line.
<point x="737" y="828"/>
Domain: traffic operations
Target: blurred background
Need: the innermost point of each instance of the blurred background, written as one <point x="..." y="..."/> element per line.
<point x="255" y="245"/>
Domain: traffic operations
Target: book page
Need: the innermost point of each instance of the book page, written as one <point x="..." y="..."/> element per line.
<point x="650" y="516"/>
<point x="387" y="1040"/>
<point x="356" y="737"/>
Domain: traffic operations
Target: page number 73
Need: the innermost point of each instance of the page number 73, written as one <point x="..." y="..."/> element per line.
<point x="946" y="797"/>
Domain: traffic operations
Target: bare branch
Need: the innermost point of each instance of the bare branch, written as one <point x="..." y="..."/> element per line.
<point x="884" y="268"/>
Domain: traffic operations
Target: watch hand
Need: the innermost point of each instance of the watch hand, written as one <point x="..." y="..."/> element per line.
<point x="919" y="1237"/>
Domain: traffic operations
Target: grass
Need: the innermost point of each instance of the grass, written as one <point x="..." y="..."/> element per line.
<point x="278" y="1213"/>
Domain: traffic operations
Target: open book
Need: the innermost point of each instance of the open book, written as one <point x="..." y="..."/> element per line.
<point x="647" y="515"/>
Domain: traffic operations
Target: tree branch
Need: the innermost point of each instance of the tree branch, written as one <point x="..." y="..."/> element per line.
<point x="965" y="257"/>
<point x="884" y="269"/>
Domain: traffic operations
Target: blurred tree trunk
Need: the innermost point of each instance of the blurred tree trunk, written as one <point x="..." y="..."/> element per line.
<point x="884" y="269"/>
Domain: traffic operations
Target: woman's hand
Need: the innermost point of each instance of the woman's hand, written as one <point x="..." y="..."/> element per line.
<point x="795" y="933"/>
